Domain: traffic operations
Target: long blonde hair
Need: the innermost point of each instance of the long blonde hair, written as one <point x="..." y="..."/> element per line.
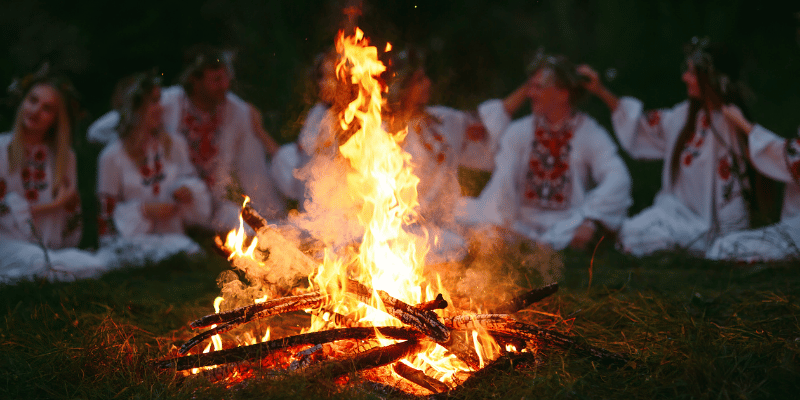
<point x="59" y="139"/>
<point x="134" y="99"/>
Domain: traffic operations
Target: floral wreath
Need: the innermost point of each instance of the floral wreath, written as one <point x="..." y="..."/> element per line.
<point x="20" y="86"/>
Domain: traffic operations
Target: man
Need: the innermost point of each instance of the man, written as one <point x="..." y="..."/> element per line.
<point x="558" y="179"/>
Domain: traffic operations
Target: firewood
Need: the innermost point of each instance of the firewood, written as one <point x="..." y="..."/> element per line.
<point x="484" y="376"/>
<point x="277" y="307"/>
<point x="425" y="320"/>
<point x="528" y="331"/>
<point x="372" y="358"/>
<point x="420" y="378"/>
<point x="477" y="321"/>
<point x="261" y="350"/>
<point x="436" y="304"/>
<point x="303" y="301"/>
<point x="524" y="300"/>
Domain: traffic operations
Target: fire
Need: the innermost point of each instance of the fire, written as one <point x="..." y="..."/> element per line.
<point x="388" y="257"/>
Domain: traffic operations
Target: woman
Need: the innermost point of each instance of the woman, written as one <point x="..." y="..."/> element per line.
<point x="703" y="180"/>
<point x="39" y="206"/>
<point x="558" y="179"/>
<point x="147" y="186"/>
<point x="779" y="159"/>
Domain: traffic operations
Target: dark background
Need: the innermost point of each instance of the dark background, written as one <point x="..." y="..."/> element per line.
<point x="477" y="49"/>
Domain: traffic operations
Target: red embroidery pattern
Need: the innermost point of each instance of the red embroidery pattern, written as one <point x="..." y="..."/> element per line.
<point x="793" y="158"/>
<point x="547" y="184"/>
<point x="152" y="172"/>
<point x="34" y="172"/>
<point x="105" y="221"/>
<point x="653" y="117"/>
<point x="425" y="127"/>
<point x="201" y="133"/>
<point x="724" y="168"/>
<point x="692" y="148"/>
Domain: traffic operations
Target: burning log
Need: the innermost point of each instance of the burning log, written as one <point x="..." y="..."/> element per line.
<point x="503" y="363"/>
<point x="425" y="321"/>
<point x="261" y="350"/>
<point x="270" y="307"/>
<point x="420" y="378"/>
<point x="522" y="301"/>
<point x="372" y="358"/>
<point x="246" y="314"/>
<point x="438" y="303"/>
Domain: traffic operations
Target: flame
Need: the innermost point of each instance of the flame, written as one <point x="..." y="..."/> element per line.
<point x="235" y="239"/>
<point x="388" y="258"/>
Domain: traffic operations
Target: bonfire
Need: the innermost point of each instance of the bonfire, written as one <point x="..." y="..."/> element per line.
<point x="373" y="308"/>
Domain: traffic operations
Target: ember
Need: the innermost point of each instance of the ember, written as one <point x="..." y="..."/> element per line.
<point x="371" y="305"/>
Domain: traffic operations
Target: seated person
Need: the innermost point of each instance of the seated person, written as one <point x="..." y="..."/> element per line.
<point x="779" y="159"/>
<point x="219" y="129"/>
<point x="40" y="213"/>
<point x="147" y="185"/>
<point x="558" y="179"/>
<point x="703" y="178"/>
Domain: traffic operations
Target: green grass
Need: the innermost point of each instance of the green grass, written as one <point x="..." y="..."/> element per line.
<point x="693" y="329"/>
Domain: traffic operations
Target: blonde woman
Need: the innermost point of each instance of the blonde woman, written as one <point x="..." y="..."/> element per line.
<point x="39" y="204"/>
<point x="147" y="185"/>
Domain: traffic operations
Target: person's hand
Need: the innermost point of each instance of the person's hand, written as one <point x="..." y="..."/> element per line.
<point x="592" y="83"/>
<point x="583" y="235"/>
<point x="159" y="211"/>
<point x="476" y="132"/>
<point x="182" y="195"/>
<point x="66" y="199"/>
<point x="733" y="114"/>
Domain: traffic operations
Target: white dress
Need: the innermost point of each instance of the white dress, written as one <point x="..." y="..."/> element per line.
<point x="705" y="200"/>
<point x="779" y="159"/>
<point x="224" y="149"/>
<point x="547" y="182"/>
<point x="21" y="255"/>
<point x="127" y="235"/>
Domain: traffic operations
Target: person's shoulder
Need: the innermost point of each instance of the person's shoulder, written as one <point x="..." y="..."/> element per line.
<point x="236" y="101"/>
<point x="171" y="94"/>
<point x="520" y="129"/>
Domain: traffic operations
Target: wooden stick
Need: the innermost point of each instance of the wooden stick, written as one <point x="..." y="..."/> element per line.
<point x="372" y="358"/>
<point x="524" y="300"/>
<point x="425" y="320"/>
<point x="296" y="303"/>
<point x="420" y="378"/>
<point x="264" y="349"/>
<point x="436" y="304"/>
<point x="252" y="311"/>
<point x="531" y="332"/>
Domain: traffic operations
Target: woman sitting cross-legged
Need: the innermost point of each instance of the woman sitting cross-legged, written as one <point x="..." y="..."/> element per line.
<point x="40" y="214"/>
<point x="703" y="181"/>
<point x="779" y="159"/>
<point x="147" y="186"/>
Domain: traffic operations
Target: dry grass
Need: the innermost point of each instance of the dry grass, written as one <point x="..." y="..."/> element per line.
<point x="693" y="329"/>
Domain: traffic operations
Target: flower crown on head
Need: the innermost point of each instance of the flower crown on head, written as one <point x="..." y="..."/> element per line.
<point x="697" y="52"/>
<point x="20" y="86"/>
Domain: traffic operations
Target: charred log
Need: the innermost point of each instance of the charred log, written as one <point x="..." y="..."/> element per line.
<point x="372" y="358"/>
<point x="526" y="299"/>
<point x="420" y="378"/>
<point x="425" y="321"/>
<point x="436" y="304"/>
<point x="261" y="350"/>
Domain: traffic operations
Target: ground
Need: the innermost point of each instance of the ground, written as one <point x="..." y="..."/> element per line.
<point x="692" y="329"/>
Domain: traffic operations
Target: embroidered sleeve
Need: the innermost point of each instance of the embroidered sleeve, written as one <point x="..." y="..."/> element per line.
<point x="774" y="156"/>
<point x="641" y="133"/>
<point x="609" y="200"/>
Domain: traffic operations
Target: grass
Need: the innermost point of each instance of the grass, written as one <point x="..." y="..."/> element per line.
<point x="693" y="329"/>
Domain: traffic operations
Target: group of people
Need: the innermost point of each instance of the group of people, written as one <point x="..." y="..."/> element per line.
<point x="184" y="155"/>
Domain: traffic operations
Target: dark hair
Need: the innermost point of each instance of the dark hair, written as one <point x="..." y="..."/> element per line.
<point x="403" y="68"/>
<point x="717" y="69"/>
<point x="139" y="87"/>
<point x="200" y="58"/>
<point x="567" y="77"/>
